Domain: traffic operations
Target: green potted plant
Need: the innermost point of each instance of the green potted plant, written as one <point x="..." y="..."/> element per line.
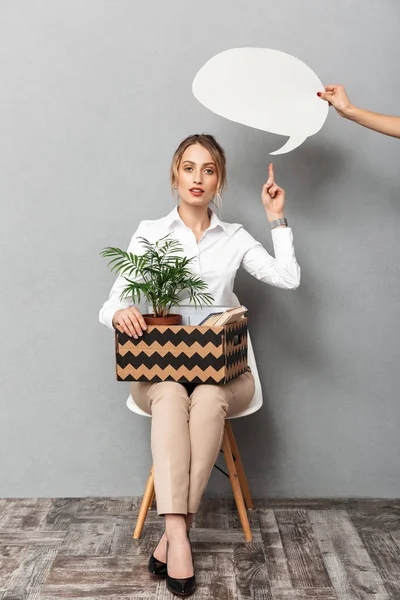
<point x="162" y="274"/>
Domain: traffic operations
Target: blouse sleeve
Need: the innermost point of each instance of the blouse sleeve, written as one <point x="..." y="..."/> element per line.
<point x="114" y="301"/>
<point x="282" y="270"/>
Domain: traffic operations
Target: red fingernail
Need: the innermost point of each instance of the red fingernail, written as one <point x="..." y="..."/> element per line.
<point x="319" y="94"/>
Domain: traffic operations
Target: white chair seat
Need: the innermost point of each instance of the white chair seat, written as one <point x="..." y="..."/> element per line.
<point x="252" y="408"/>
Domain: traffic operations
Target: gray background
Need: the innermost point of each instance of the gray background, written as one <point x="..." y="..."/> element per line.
<point x="95" y="97"/>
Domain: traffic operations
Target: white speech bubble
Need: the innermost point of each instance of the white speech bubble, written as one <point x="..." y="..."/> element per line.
<point x="265" y="89"/>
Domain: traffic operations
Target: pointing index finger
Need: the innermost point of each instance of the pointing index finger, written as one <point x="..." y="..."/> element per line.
<point x="271" y="175"/>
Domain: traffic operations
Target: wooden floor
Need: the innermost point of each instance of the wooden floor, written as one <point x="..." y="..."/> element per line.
<point x="83" y="548"/>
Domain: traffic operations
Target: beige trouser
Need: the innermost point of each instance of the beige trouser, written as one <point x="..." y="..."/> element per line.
<point x="186" y="434"/>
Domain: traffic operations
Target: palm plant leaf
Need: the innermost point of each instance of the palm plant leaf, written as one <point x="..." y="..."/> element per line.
<point x="160" y="274"/>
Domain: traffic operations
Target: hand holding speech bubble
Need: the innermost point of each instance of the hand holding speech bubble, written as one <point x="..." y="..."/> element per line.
<point x="265" y="89"/>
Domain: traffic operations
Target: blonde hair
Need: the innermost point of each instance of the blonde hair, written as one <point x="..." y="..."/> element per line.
<point x="218" y="155"/>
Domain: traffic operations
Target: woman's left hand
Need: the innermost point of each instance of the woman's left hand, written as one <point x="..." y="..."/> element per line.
<point x="273" y="196"/>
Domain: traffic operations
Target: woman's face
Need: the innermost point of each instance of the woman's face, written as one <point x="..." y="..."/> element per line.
<point x="197" y="176"/>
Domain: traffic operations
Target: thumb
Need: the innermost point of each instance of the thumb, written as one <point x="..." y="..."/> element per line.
<point x="325" y="96"/>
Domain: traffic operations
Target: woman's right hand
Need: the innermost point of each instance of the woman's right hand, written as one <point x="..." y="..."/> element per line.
<point x="337" y="96"/>
<point x="129" y="320"/>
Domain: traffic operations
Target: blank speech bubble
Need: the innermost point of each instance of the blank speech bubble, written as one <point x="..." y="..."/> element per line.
<point x="265" y="89"/>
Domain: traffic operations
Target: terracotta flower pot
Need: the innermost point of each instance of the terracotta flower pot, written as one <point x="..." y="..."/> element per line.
<point x="168" y="320"/>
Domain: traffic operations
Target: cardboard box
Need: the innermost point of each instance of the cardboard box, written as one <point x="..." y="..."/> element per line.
<point x="184" y="353"/>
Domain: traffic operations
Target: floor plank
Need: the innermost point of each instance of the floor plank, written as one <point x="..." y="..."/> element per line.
<point x="222" y="535"/>
<point x="64" y="510"/>
<point x="213" y="514"/>
<point x="10" y="559"/>
<point x="26" y="581"/>
<point x="124" y="544"/>
<point x="251" y="571"/>
<point x="88" y="539"/>
<point x="304" y="594"/>
<point x="103" y="576"/>
<point x="277" y="564"/>
<point x="122" y="504"/>
<point x="305" y="563"/>
<point x="24" y="516"/>
<point x="103" y="596"/>
<point x="349" y="504"/>
<point x="31" y="538"/>
<point x="350" y="567"/>
<point x="378" y="535"/>
<point x="373" y="519"/>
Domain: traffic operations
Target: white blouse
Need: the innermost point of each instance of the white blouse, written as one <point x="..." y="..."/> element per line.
<point x="222" y="249"/>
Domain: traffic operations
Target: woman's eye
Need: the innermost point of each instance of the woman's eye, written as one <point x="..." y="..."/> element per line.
<point x="208" y="171"/>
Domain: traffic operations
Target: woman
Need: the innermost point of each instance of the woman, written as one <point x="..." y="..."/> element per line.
<point x="188" y="420"/>
<point x="336" y="96"/>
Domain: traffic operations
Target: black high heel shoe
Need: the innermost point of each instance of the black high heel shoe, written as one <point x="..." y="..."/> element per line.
<point x="157" y="567"/>
<point x="181" y="587"/>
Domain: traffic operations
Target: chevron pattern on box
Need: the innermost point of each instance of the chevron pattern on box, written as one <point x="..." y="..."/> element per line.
<point x="196" y="354"/>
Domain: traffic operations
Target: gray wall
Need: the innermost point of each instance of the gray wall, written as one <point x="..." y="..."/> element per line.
<point x="95" y="97"/>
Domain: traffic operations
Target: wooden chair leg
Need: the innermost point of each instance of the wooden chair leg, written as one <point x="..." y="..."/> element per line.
<point x="237" y="492"/>
<point x="144" y="507"/>
<point x="239" y="467"/>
